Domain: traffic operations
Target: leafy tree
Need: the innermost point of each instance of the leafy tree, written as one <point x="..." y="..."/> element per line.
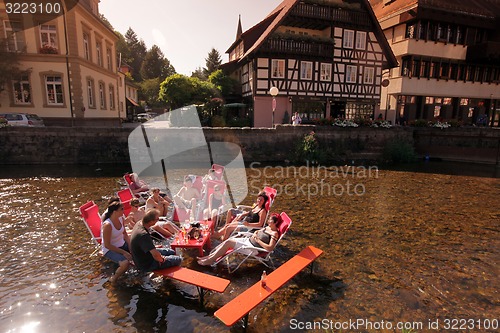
<point x="9" y="64"/>
<point x="122" y="49"/>
<point x="155" y="65"/>
<point x="149" y="91"/>
<point x="179" y="90"/>
<point x="213" y="62"/>
<point x="138" y="52"/>
<point x="199" y="73"/>
<point x="225" y="84"/>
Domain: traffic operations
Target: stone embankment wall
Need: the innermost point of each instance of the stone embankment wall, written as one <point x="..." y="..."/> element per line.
<point x="88" y="145"/>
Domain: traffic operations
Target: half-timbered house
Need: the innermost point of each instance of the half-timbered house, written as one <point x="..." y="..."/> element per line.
<point x="449" y="56"/>
<point x="325" y="57"/>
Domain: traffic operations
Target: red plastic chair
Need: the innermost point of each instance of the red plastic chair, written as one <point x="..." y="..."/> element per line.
<point x="92" y="219"/>
<point x="125" y="196"/>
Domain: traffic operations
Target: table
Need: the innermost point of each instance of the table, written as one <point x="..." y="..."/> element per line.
<point x="194" y="243"/>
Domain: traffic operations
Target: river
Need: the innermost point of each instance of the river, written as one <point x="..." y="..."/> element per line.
<point x="417" y="247"/>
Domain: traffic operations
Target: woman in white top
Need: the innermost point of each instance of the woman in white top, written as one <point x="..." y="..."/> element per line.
<point x="115" y="240"/>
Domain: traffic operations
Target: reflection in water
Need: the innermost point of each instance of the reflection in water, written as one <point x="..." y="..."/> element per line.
<point x="411" y="247"/>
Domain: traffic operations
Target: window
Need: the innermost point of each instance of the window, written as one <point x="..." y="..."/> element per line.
<point x="99" y="53"/>
<point x="86" y="50"/>
<point x="278" y="68"/>
<point x="350" y="74"/>
<point x="14" y="35"/>
<point x="348" y="39"/>
<point x="111" y="97"/>
<point x="90" y="91"/>
<point x="22" y="90"/>
<point x="306" y="70"/>
<point x="53" y="86"/>
<point x="369" y="75"/>
<point x="48" y="35"/>
<point x="102" y="95"/>
<point x="326" y="72"/>
<point x="360" y="40"/>
<point x="108" y="57"/>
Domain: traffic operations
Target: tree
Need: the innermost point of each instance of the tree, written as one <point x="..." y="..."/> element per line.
<point x="155" y="65"/>
<point x="138" y="52"/>
<point x="123" y="51"/>
<point x="179" y="90"/>
<point x="9" y="64"/>
<point x="225" y="84"/>
<point x="199" y="73"/>
<point x="149" y="91"/>
<point x="213" y="62"/>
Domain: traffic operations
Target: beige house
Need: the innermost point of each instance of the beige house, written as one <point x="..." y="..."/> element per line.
<point x="69" y="66"/>
<point x="449" y="60"/>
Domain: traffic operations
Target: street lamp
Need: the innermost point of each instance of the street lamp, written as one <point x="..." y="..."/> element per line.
<point x="274" y="92"/>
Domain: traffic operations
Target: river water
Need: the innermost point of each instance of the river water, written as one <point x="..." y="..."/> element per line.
<point x="417" y="246"/>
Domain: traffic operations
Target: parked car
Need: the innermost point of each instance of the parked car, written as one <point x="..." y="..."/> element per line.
<point x="143" y="117"/>
<point x="22" y="119"/>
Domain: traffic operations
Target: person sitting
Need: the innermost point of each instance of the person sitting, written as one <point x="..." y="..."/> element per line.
<point x="209" y="176"/>
<point x="215" y="200"/>
<point x="255" y="218"/>
<point x="115" y="240"/>
<point x="146" y="256"/>
<point x="264" y="238"/>
<point x="137" y="185"/>
<point x="110" y="201"/>
<point x="136" y="213"/>
<point x="155" y="201"/>
<point x="188" y="195"/>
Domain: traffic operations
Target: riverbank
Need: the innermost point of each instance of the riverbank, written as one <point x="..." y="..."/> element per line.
<point x="92" y="145"/>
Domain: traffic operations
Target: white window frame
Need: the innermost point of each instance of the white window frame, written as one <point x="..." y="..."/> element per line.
<point x="53" y="82"/>
<point x="14" y="35"/>
<point x="102" y="95"/>
<point x="306" y="70"/>
<point x="326" y="72"/>
<point x="351" y="73"/>
<point x="50" y="32"/>
<point x="369" y="75"/>
<point x="90" y="93"/>
<point x="360" y="40"/>
<point x="348" y="40"/>
<point x="24" y="91"/>
<point x="278" y="68"/>
<point x="108" y="57"/>
<point x="86" y="46"/>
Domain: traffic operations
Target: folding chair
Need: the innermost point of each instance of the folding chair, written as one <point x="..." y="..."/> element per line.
<point x="209" y="190"/>
<point x="141" y="195"/>
<point x="125" y="196"/>
<point x="256" y="253"/>
<point x="181" y="214"/>
<point x="219" y="171"/>
<point x="90" y="214"/>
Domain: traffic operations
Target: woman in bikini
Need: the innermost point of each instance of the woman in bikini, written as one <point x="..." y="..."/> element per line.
<point x="252" y="219"/>
<point x="264" y="238"/>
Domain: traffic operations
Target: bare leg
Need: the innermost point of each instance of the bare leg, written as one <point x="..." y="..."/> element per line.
<point x="220" y="250"/>
<point x="122" y="268"/>
<point x="165" y="233"/>
<point x="229" y="230"/>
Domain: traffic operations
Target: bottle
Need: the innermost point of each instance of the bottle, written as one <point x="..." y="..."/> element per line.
<point x="263" y="279"/>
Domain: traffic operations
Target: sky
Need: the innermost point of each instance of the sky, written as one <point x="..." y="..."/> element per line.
<point x="186" y="30"/>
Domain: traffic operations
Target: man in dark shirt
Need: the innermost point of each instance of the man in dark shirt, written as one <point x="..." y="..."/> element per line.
<point x="146" y="257"/>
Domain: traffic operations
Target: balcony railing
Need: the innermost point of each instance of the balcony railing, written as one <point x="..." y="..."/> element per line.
<point x="323" y="50"/>
<point x="343" y="15"/>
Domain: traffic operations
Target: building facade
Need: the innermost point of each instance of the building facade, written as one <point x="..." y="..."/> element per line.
<point x="325" y="57"/>
<point x="449" y="57"/>
<point x="68" y="64"/>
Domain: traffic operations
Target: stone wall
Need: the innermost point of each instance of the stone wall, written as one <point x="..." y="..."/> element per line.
<point x="88" y="145"/>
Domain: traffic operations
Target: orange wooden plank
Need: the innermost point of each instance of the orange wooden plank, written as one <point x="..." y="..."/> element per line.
<point x="253" y="296"/>
<point x="196" y="278"/>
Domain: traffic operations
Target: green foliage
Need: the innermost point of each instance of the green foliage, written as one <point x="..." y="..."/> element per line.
<point x="137" y="50"/>
<point x="398" y="151"/>
<point x="213" y="62"/>
<point x="223" y="83"/>
<point x="149" y="92"/>
<point x="179" y="90"/>
<point x="199" y="73"/>
<point x="155" y="65"/>
<point x="307" y="149"/>
<point x="3" y="122"/>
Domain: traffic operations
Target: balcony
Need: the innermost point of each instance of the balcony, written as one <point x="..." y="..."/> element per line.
<point x="485" y="52"/>
<point x="311" y="49"/>
<point x="328" y="14"/>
